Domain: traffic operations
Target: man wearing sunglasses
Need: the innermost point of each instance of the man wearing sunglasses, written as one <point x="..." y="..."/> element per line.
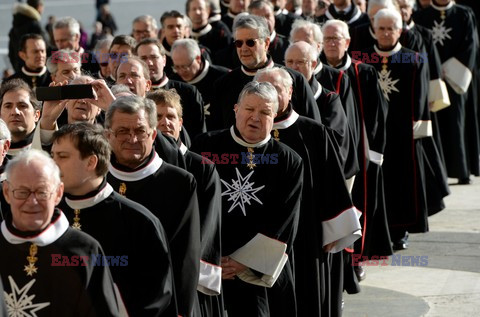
<point x="252" y="40"/>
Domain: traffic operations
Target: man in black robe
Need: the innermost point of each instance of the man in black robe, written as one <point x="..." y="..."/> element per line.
<point x="137" y="172"/>
<point x="126" y="230"/>
<point x="346" y="11"/>
<point x="33" y="52"/>
<point x="334" y="225"/>
<point x="152" y="53"/>
<point x="252" y="40"/>
<point x="50" y="270"/>
<point x="404" y="81"/>
<point x="453" y="29"/>
<point x="262" y="185"/>
<point x="169" y="115"/>
<point x="192" y="68"/>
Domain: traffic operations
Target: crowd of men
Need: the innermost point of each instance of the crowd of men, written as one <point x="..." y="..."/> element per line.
<point x="241" y="159"/>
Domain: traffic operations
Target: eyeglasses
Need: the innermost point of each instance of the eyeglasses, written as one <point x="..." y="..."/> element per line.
<point x="23" y="194"/>
<point x="298" y="63"/>
<point x="249" y="42"/>
<point x="125" y="134"/>
<point x="177" y="68"/>
<point x="332" y="39"/>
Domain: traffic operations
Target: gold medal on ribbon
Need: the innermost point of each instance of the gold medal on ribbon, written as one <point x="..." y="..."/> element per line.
<point x="32" y="259"/>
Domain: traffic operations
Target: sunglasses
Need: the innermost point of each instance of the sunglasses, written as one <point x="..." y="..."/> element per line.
<point x="249" y="42"/>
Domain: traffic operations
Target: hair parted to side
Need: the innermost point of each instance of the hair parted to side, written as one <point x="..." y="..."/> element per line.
<point x="17" y="84"/>
<point x="252" y="22"/>
<point x="263" y="90"/>
<point x="168" y="98"/>
<point x="69" y="23"/>
<point x="342" y="26"/>
<point x="285" y="77"/>
<point x="89" y="139"/>
<point x="132" y="105"/>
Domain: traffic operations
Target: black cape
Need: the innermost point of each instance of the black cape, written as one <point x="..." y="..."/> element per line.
<point x="33" y="79"/>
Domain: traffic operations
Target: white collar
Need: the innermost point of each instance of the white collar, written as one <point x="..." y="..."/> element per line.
<point x="40" y="73"/>
<point x="318" y="68"/>
<point x="285" y="123"/>
<point x="249" y="73"/>
<point x="281" y="11"/>
<point x="245" y="144"/>
<point x="318" y="92"/>
<point x="90" y="201"/>
<point x="202" y="74"/>
<point x="272" y="36"/>
<point x="183" y="148"/>
<point x="411" y="25"/>
<point x="348" y="63"/>
<point x="346" y="10"/>
<point x="231" y="15"/>
<point x="140" y="174"/>
<point x="207" y="28"/>
<point x="49" y="235"/>
<point x="215" y="18"/>
<point x="161" y="84"/>
<point x="439" y="8"/>
<point x="395" y="50"/>
<point x="352" y="19"/>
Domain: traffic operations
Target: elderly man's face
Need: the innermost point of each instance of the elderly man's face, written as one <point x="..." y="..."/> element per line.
<point x="284" y="93"/>
<point x="35" y="212"/>
<point x="254" y="118"/>
<point x="306" y="35"/>
<point x="168" y="121"/>
<point x="335" y="44"/>
<point x="131" y="75"/>
<point x="255" y="56"/>
<point x="387" y="33"/>
<point x="184" y="66"/>
<point x="142" y="30"/>
<point x="18" y="112"/>
<point x="35" y="54"/>
<point x="405" y="9"/>
<point x="66" y="71"/>
<point x="299" y="60"/>
<point x="131" y="138"/>
<point x="64" y="40"/>
<point x="150" y="54"/>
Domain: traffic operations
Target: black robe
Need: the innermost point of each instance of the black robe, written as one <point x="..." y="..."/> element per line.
<point x="230" y="85"/>
<point x="284" y="21"/>
<point x="33" y="79"/>
<point x="170" y="194"/>
<point x="334" y="117"/>
<point x="127" y="229"/>
<point x="63" y="284"/>
<point x="215" y="36"/>
<point x="203" y="81"/>
<point x="192" y="104"/>
<point x="335" y="80"/>
<point x="367" y="193"/>
<point x="278" y="45"/>
<point x="404" y="85"/>
<point x="210" y="207"/>
<point x="327" y="214"/>
<point x="453" y="29"/>
<point x="260" y="210"/>
<point x="354" y="17"/>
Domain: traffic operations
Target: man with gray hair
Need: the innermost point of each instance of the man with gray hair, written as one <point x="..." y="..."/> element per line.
<point x="262" y="185"/>
<point x="144" y="27"/>
<point x="47" y="259"/>
<point x="66" y="33"/>
<point x="64" y="65"/>
<point x="328" y="219"/>
<point x="137" y="172"/>
<point x="192" y="68"/>
<point x="252" y="41"/>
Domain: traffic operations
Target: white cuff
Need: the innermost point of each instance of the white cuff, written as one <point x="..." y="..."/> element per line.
<point x="375" y="157"/>
<point x="262" y="254"/>
<point x="344" y="229"/>
<point x="438" y="95"/>
<point x="47" y="135"/>
<point x="349" y="182"/>
<point x="210" y="279"/>
<point x="457" y="75"/>
<point x="422" y="129"/>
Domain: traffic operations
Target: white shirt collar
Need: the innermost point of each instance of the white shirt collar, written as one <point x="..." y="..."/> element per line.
<point x="318" y="68"/>
<point x="245" y="144"/>
<point x="161" y="84"/>
<point x="394" y="50"/>
<point x="90" y="201"/>
<point x="49" y="235"/>
<point x="26" y="72"/>
<point x="439" y="8"/>
<point x="137" y="175"/>
<point x="348" y="63"/>
<point x="249" y="73"/>
<point x="285" y="123"/>
<point x="202" y="32"/>
<point x="272" y="36"/>
<point x="183" y="148"/>
<point x="202" y="74"/>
